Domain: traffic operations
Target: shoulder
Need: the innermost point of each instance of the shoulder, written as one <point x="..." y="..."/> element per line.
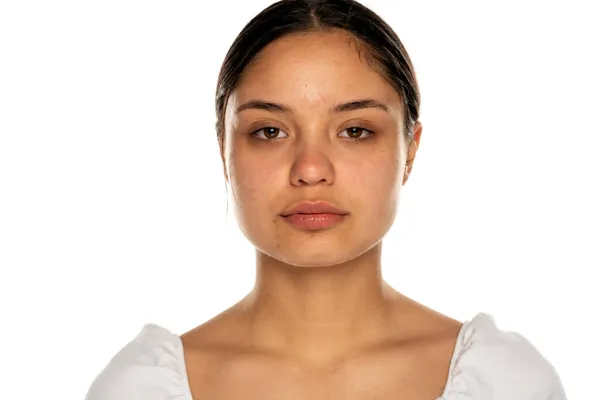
<point x="489" y="363"/>
<point x="150" y="367"/>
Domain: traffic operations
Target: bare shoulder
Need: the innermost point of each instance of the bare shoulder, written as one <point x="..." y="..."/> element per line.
<point x="414" y="360"/>
<point x="426" y="346"/>
<point x="417" y="322"/>
<point x="210" y="349"/>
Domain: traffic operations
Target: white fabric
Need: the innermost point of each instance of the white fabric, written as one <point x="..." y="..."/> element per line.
<point x="487" y="364"/>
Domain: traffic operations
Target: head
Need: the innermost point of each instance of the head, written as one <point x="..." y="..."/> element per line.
<point x="317" y="100"/>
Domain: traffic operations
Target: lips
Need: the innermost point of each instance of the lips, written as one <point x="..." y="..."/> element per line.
<point x="314" y="216"/>
<point x="313" y="207"/>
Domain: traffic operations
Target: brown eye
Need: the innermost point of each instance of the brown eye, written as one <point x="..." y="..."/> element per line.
<point x="356" y="133"/>
<point x="268" y="133"/>
<point x="271" y="133"/>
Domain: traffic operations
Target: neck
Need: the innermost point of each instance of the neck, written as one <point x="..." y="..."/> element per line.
<point x="317" y="313"/>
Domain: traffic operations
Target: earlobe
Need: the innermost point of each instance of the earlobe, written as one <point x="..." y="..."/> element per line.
<point x="407" y="170"/>
<point x="412" y="150"/>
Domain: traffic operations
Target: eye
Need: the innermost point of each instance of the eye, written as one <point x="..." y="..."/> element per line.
<point x="268" y="133"/>
<point x="357" y="132"/>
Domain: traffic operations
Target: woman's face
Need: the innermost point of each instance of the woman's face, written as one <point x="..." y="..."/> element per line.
<point x="292" y="136"/>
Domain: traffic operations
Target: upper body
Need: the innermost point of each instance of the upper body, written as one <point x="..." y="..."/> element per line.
<point x="486" y="363"/>
<point x="318" y="128"/>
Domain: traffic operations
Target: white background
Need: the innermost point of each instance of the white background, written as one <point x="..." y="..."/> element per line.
<point x="112" y="203"/>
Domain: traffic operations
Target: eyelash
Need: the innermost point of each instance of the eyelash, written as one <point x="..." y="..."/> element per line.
<point x="356" y="140"/>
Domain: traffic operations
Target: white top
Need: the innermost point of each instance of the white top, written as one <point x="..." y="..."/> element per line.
<point x="487" y="364"/>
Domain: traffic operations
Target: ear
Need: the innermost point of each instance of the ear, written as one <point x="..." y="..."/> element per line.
<point x="412" y="150"/>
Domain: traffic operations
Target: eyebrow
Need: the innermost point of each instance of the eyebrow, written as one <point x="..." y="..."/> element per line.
<point x="282" y="108"/>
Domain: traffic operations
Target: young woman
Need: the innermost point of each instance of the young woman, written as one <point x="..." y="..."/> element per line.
<point x="318" y="107"/>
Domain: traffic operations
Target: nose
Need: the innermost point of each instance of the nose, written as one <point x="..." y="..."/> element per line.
<point x="312" y="166"/>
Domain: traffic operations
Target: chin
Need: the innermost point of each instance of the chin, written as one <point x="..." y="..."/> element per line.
<point x="314" y="249"/>
<point x="312" y="259"/>
<point x="326" y="253"/>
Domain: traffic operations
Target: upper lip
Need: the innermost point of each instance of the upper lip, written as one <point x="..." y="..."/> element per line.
<point x="313" y="207"/>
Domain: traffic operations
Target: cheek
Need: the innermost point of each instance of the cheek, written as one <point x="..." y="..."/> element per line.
<point x="374" y="176"/>
<point x="375" y="188"/>
<point x="253" y="178"/>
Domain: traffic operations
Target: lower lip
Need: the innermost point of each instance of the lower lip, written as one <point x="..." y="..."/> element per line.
<point x="314" y="221"/>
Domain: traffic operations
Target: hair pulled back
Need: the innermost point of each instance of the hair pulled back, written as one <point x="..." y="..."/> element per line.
<point x="373" y="37"/>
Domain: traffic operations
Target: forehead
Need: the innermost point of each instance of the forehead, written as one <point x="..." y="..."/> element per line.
<point x="313" y="70"/>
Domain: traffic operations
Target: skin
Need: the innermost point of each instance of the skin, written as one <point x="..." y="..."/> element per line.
<point x="320" y="321"/>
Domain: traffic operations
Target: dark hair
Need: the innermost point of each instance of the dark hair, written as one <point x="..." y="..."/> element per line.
<point x="373" y="37"/>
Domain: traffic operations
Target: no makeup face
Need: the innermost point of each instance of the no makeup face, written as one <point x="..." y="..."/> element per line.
<point x="311" y="120"/>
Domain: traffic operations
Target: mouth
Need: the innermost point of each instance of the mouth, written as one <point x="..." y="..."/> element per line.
<point x="314" y="215"/>
<point x="313" y="208"/>
<point x="314" y="221"/>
